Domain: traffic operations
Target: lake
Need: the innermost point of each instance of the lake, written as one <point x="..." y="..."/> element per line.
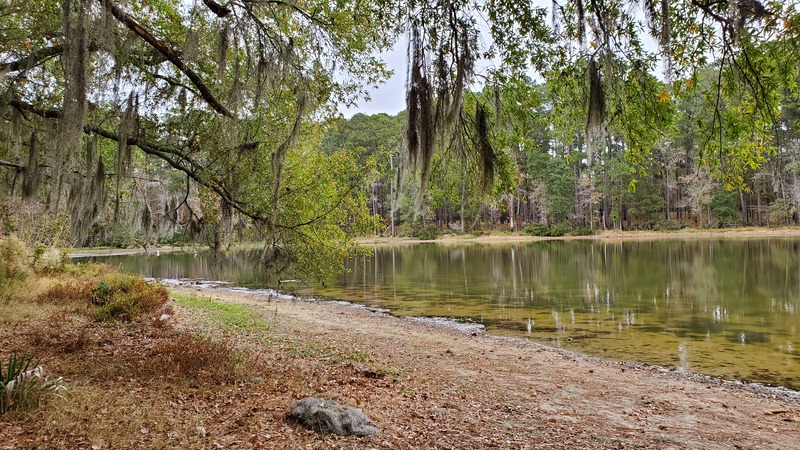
<point x="726" y="308"/>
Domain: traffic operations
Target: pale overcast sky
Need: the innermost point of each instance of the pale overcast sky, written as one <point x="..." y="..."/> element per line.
<point x="390" y="97"/>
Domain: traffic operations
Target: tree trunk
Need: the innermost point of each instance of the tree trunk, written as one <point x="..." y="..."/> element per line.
<point x="743" y="206"/>
<point x="511" y="224"/>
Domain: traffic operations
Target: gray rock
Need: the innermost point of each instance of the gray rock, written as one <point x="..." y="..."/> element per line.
<point x="331" y="417"/>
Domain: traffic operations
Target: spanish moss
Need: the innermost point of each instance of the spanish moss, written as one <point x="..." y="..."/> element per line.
<point x="74" y="61"/>
<point x="488" y="158"/>
<point x="436" y="86"/>
<point x="596" y="115"/>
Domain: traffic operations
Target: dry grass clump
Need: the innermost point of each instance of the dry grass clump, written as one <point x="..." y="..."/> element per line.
<point x="196" y="358"/>
<point x="60" y="336"/>
<point x="68" y="292"/>
<point x="108" y="295"/>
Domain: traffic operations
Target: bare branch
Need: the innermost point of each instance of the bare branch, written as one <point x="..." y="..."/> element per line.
<point x="293" y="5"/>
<point x="24" y="108"/>
<point x="32" y="60"/>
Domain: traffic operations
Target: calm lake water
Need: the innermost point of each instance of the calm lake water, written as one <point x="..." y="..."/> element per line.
<point x="726" y="308"/>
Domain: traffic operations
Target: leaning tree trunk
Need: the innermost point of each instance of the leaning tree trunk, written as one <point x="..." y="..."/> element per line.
<point x="30" y="185"/>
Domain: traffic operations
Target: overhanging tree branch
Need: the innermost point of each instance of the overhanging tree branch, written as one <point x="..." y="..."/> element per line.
<point x="24" y="108"/>
<point x="216" y="8"/>
<point x="32" y="60"/>
<point x="171" y="56"/>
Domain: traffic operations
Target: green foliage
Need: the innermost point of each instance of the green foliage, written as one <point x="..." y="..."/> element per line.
<point x="781" y="211"/>
<point x="234" y="317"/>
<point x="669" y="225"/>
<point x="370" y="134"/>
<point x="427" y="233"/>
<point x="321" y="206"/>
<point x="546" y="231"/>
<point x="22" y="383"/>
<point x="723" y="207"/>
<point x="560" y="187"/>
<point x="14" y="261"/>
<point x="124" y="296"/>
<point x="581" y="231"/>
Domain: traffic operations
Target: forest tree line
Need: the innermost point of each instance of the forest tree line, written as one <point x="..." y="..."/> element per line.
<point x="548" y="179"/>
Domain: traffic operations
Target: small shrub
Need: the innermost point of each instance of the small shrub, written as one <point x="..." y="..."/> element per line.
<point x="544" y="230"/>
<point x="14" y="260"/>
<point x="428" y="233"/>
<point x="668" y="225"/>
<point x="87" y="270"/>
<point x="22" y="384"/>
<point x="126" y="297"/>
<point x="581" y="231"/>
<point x="781" y="211"/>
<point x="6" y="224"/>
<point x="49" y="261"/>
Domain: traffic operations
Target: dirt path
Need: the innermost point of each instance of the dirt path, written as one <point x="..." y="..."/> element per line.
<point x="475" y="391"/>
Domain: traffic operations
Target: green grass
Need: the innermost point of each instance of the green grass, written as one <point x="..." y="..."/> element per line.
<point x="230" y="315"/>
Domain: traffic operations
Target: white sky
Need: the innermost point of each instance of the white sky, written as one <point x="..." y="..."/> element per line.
<point x="390" y="97"/>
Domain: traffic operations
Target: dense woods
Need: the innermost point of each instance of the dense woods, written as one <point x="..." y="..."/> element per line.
<point x="130" y="123"/>
<point x="547" y="183"/>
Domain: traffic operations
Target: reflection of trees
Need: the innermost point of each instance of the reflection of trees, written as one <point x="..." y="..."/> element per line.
<point x="682" y="277"/>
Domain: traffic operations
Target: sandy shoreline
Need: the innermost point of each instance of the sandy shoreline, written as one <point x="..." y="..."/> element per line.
<point x="488" y="391"/>
<point x="732" y="233"/>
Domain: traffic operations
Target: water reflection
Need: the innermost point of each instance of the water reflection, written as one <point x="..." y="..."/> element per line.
<point x="726" y="308"/>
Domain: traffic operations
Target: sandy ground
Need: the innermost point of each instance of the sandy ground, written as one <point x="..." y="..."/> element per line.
<point x="689" y="233"/>
<point x="731" y="233"/>
<point x="470" y="390"/>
